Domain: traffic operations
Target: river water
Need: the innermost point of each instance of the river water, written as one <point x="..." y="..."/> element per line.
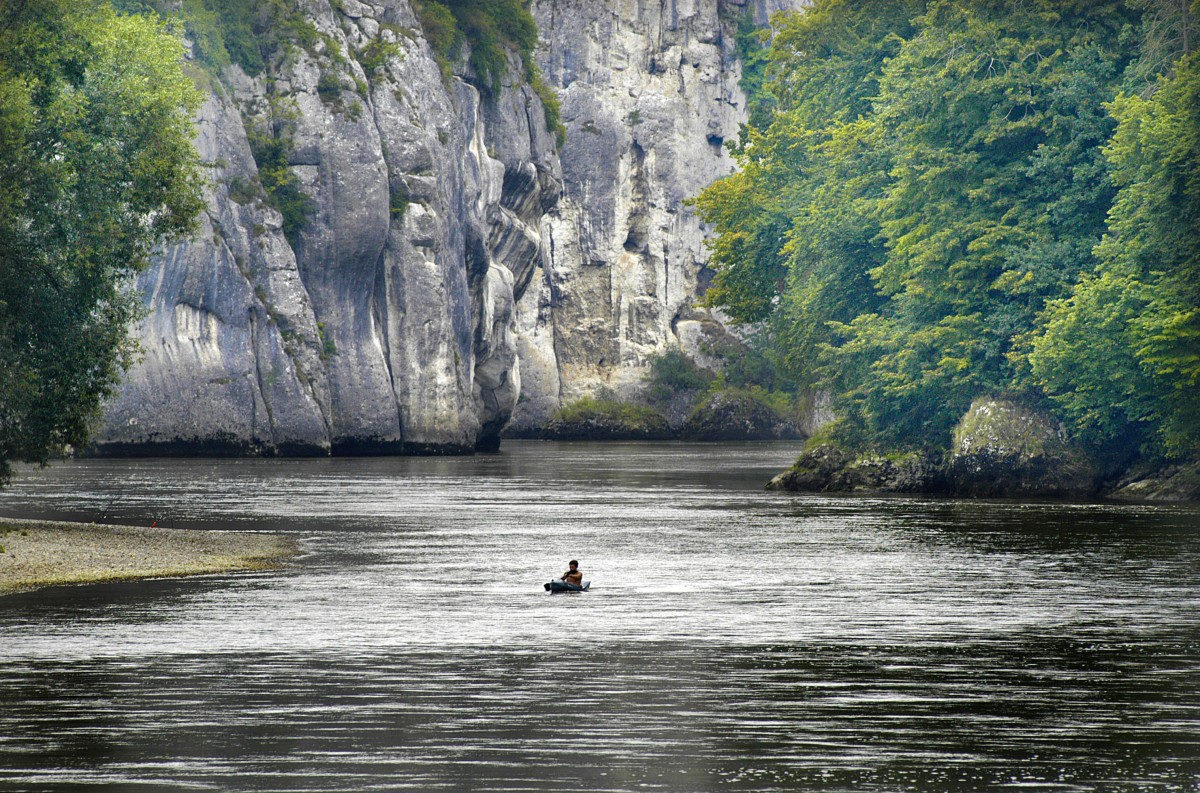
<point x="733" y="639"/>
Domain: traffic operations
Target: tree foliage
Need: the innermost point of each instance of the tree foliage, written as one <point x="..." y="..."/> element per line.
<point x="949" y="197"/>
<point x="1121" y="354"/>
<point x="795" y="236"/>
<point x="96" y="168"/>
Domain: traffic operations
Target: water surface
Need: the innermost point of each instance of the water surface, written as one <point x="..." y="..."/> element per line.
<point x="733" y="640"/>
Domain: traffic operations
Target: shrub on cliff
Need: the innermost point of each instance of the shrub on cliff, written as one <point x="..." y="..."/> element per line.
<point x="491" y="30"/>
<point x="673" y="372"/>
<point x="590" y="418"/>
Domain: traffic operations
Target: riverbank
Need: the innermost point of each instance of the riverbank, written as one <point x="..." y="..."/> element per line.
<point x="39" y="553"/>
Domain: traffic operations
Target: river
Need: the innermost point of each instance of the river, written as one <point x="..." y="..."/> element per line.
<point x="733" y="640"/>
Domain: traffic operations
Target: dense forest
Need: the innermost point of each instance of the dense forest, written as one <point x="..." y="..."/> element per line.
<point x="944" y="200"/>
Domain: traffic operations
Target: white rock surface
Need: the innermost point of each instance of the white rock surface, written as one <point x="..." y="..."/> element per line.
<point x="455" y="267"/>
<point x="383" y="329"/>
<point x="650" y="93"/>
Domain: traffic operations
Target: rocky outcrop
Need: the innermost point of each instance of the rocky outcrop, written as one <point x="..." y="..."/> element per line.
<point x="1000" y="449"/>
<point x="591" y="419"/>
<point x="825" y="468"/>
<point x="732" y="414"/>
<point x="385" y="321"/>
<point x="650" y="93"/>
<point x="1178" y="482"/>
<point x="1004" y="449"/>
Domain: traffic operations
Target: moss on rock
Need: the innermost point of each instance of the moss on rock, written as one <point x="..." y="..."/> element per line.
<point x="736" y="415"/>
<point x="606" y="420"/>
<point x="1001" y="448"/>
<point x="826" y="468"/>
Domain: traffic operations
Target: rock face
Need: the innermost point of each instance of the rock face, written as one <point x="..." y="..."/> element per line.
<point x="386" y="323"/>
<point x="1179" y="482"/>
<point x="650" y="93"/>
<point x="438" y="277"/>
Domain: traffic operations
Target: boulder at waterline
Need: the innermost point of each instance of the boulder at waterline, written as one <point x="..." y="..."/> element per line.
<point x="1173" y="483"/>
<point x="736" y="415"/>
<point x="593" y="419"/>
<point x="825" y="468"/>
<point x="1001" y="448"/>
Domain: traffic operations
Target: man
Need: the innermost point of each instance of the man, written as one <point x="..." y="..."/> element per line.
<point x="573" y="576"/>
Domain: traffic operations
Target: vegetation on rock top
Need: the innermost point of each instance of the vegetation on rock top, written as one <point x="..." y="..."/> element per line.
<point x="606" y="418"/>
<point x="491" y="30"/>
<point x="731" y="414"/>
<point x="246" y="32"/>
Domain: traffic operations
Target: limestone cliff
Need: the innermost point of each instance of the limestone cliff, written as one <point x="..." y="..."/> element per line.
<point x="650" y="93"/>
<point x="451" y="260"/>
<point x="382" y="323"/>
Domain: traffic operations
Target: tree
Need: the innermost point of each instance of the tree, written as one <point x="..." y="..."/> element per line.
<point x="1169" y="30"/>
<point x="97" y="167"/>
<point x="795" y="239"/>
<point x="1121" y="356"/>
<point x="996" y="197"/>
<point x="952" y="199"/>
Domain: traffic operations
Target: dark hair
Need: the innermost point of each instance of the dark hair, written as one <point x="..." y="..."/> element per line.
<point x="573" y="562"/>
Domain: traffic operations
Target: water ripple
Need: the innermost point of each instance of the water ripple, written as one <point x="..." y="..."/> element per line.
<point x="734" y="640"/>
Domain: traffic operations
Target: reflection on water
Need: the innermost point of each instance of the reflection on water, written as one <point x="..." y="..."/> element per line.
<point x="734" y="640"/>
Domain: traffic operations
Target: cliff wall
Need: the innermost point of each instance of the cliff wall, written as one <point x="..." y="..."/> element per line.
<point x="650" y="93"/>
<point x="450" y="261"/>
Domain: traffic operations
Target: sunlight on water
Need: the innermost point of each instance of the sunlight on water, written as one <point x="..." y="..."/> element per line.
<point x="733" y="639"/>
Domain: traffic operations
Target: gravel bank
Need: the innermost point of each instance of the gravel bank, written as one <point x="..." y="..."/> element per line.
<point x="38" y="553"/>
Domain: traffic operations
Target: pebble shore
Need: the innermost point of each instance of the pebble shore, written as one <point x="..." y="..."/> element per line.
<point x="38" y="553"/>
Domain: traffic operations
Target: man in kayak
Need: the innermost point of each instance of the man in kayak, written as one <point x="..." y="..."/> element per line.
<point x="573" y="576"/>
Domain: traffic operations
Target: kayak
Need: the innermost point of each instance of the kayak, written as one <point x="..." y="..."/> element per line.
<point x="563" y="586"/>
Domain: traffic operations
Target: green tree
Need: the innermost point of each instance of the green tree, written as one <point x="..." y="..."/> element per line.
<point x="1121" y="355"/>
<point x="997" y="196"/>
<point x="931" y="178"/>
<point x="96" y="168"/>
<point x="795" y="237"/>
<point x="1169" y="30"/>
<point x="951" y="199"/>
